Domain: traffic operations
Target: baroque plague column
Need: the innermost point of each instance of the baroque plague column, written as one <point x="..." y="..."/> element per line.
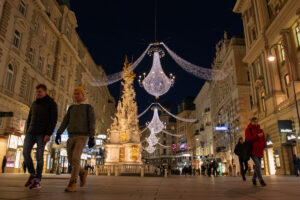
<point x="124" y="145"/>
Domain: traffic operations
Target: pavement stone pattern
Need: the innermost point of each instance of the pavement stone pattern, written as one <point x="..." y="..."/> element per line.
<point x="152" y="188"/>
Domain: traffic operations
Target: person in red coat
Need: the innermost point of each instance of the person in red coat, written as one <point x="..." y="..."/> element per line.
<point x="255" y="135"/>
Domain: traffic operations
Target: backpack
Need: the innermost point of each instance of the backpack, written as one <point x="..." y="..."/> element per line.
<point x="247" y="148"/>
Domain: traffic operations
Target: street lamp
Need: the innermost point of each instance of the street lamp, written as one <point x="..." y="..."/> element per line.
<point x="272" y="58"/>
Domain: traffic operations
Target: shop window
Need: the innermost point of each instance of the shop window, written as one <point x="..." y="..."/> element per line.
<point x="17" y="39"/>
<point x="9" y="77"/>
<point x="22" y="7"/>
<point x="277" y="159"/>
<point x="282" y="53"/>
<point x="298" y="35"/>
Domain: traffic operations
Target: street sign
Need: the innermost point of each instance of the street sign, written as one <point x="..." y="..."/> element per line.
<point x="6" y="114"/>
<point x="221" y="128"/>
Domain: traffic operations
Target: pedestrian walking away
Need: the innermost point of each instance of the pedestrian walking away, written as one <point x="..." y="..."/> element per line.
<point x="296" y="164"/>
<point x="255" y="135"/>
<point x="241" y="151"/>
<point x="4" y="161"/>
<point x="80" y="123"/>
<point x="40" y="125"/>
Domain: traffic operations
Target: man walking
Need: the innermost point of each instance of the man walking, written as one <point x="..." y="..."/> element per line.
<point x="240" y="151"/>
<point x="4" y="164"/>
<point x="256" y="136"/>
<point x="80" y="123"/>
<point x="40" y="125"/>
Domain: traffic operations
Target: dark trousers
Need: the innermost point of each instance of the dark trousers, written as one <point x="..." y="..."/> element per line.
<point x="3" y="168"/>
<point x="29" y="141"/>
<point x="257" y="168"/>
<point x="243" y="166"/>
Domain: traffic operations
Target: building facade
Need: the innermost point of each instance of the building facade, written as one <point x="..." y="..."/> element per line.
<point x="272" y="27"/>
<point x="39" y="44"/>
<point x="203" y="139"/>
<point x="230" y="100"/>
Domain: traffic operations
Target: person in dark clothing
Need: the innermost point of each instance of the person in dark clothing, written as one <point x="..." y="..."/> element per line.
<point x="40" y="125"/>
<point x="4" y="161"/>
<point x="255" y="135"/>
<point x="209" y="166"/>
<point x="240" y="151"/>
<point x="296" y="164"/>
<point x="215" y="167"/>
<point x="24" y="167"/>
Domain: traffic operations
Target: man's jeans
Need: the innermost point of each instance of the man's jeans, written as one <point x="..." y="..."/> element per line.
<point x="243" y="166"/>
<point x="257" y="168"/>
<point x="29" y="141"/>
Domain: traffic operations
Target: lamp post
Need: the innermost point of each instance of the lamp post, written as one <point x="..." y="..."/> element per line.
<point x="272" y="58"/>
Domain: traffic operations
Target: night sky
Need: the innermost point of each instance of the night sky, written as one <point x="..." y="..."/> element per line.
<point x="112" y="29"/>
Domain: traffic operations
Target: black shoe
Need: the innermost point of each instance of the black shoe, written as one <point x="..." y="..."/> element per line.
<point x="244" y="178"/>
<point x="263" y="184"/>
<point x="254" y="181"/>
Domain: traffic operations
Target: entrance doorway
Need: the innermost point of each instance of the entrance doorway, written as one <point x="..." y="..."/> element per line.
<point x="272" y="169"/>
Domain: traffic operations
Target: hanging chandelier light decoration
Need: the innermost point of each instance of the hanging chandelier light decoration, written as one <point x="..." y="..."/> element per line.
<point x="150" y="149"/>
<point x="152" y="139"/>
<point x="156" y="83"/>
<point x="156" y="124"/>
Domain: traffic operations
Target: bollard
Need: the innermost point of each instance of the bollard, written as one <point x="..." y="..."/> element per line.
<point x="142" y="171"/>
<point x="166" y="173"/>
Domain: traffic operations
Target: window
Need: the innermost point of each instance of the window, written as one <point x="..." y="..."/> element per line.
<point x="287" y="81"/>
<point x="282" y="53"/>
<point x="263" y="102"/>
<point x="165" y="152"/>
<point x="17" y="38"/>
<point x="248" y="76"/>
<point x="62" y="81"/>
<point x="253" y="32"/>
<point x="251" y="101"/>
<point x="9" y="78"/>
<point x="298" y="36"/>
<point x="22" y="7"/>
<point x="48" y="70"/>
<point x="27" y="89"/>
<point x="40" y="64"/>
<point x="31" y="55"/>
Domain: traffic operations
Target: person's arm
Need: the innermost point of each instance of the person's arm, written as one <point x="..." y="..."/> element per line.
<point x="91" y="121"/>
<point x="250" y="137"/>
<point x="64" y="123"/>
<point x="53" y="119"/>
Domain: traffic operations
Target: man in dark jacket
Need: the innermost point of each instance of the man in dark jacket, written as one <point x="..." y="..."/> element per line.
<point x="256" y="136"/>
<point x="80" y="123"/>
<point x="39" y="127"/>
<point x="240" y="151"/>
<point x="4" y="163"/>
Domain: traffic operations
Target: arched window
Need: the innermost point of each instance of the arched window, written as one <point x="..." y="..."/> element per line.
<point x="9" y="77"/>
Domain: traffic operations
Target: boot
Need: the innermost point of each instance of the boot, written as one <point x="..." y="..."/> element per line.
<point x="263" y="184"/>
<point x="83" y="176"/>
<point x="254" y="181"/>
<point x="71" y="187"/>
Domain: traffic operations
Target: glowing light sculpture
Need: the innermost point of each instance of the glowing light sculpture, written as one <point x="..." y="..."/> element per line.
<point x="157" y="83"/>
<point x="156" y="125"/>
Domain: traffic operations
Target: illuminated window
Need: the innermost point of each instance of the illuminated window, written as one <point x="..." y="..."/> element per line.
<point x="298" y="36"/>
<point x="282" y="53"/>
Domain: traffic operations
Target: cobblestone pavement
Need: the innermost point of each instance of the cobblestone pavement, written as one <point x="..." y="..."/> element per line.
<point x="155" y="188"/>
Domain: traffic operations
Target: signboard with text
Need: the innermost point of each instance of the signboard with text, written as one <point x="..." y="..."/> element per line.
<point x="221" y="128"/>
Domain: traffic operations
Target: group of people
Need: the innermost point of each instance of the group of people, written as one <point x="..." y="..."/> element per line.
<point x="80" y="123"/>
<point x="210" y="168"/>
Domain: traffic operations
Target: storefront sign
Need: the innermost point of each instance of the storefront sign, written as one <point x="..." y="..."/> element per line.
<point x="285" y="126"/>
<point x="102" y="136"/>
<point x="221" y="128"/>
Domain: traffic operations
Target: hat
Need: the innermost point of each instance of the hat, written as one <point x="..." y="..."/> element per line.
<point x="80" y="89"/>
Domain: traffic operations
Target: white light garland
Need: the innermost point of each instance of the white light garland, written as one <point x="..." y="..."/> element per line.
<point x="201" y="72"/>
<point x="168" y="133"/>
<point x="145" y="110"/>
<point x="112" y="78"/>
<point x="156" y="82"/>
<point x="176" y="117"/>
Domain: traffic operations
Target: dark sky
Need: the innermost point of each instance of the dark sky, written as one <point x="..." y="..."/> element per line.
<point x="112" y="29"/>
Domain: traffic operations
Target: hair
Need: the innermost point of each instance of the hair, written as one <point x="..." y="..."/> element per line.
<point x="41" y="86"/>
<point x="253" y="119"/>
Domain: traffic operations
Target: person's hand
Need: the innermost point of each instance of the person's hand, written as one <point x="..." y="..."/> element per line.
<point x="91" y="142"/>
<point x="57" y="139"/>
<point x="46" y="138"/>
<point x="260" y="134"/>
